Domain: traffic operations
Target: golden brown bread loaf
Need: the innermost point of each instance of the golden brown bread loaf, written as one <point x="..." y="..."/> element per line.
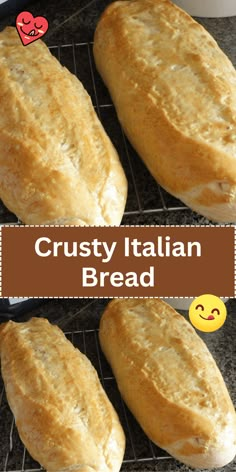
<point x="170" y="381"/>
<point x="62" y="413"/>
<point x="57" y="165"/>
<point x="175" y="94"/>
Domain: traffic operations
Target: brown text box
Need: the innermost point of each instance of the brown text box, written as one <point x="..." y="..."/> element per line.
<point x="26" y="274"/>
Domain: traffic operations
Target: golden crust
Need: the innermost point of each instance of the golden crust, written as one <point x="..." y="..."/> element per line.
<point x="175" y="95"/>
<point x="169" y="381"/>
<point x="62" y="413"/>
<point x="57" y="165"/>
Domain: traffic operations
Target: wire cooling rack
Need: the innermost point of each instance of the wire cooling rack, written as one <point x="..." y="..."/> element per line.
<point x="139" y="449"/>
<point x="145" y="196"/>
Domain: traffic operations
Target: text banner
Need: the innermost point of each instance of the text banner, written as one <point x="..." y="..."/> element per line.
<point x="158" y="261"/>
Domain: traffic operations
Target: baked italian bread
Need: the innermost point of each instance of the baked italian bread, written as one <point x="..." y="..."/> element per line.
<point x="62" y="413"/>
<point x="170" y="381"/>
<point x="175" y="94"/>
<point x="57" y="165"/>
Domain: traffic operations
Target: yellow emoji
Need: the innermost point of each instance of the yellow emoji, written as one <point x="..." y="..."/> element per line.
<point x="207" y="313"/>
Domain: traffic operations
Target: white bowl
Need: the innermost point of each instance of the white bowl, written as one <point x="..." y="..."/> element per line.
<point x="208" y="8"/>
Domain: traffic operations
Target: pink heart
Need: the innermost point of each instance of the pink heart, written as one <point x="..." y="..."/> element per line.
<point x="30" y="28"/>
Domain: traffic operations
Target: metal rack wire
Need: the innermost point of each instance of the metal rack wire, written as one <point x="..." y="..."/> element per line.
<point x="139" y="449"/>
<point x="145" y="196"/>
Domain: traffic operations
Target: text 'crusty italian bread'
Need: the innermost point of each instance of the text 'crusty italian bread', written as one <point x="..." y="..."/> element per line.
<point x="175" y="94"/>
<point x="169" y="381"/>
<point x="62" y="413"/>
<point x="57" y="165"/>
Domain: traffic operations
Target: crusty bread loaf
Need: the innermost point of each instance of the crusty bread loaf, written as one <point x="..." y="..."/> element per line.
<point x="169" y="381"/>
<point x="62" y="413"/>
<point x="57" y="165"/>
<point x="175" y="94"/>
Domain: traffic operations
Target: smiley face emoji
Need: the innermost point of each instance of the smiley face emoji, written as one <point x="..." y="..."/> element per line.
<point x="207" y="313"/>
<point x="30" y="28"/>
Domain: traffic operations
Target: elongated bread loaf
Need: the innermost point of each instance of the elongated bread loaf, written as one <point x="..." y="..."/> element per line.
<point x="175" y="94"/>
<point x="57" y="165"/>
<point x="170" y="381"/>
<point x="62" y="413"/>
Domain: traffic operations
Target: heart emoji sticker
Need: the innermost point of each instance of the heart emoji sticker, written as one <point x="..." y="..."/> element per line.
<point x="30" y="28"/>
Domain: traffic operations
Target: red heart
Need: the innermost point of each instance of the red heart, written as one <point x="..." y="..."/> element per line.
<point x="30" y="28"/>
